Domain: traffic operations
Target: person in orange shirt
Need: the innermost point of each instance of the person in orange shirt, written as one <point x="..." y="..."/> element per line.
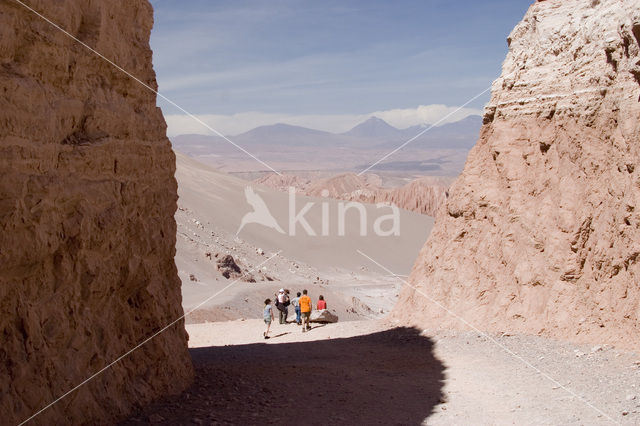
<point x="321" y="303"/>
<point x="305" y="310"/>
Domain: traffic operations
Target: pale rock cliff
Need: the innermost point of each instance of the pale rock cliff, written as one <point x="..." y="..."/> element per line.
<point x="87" y="234"/>
<point x="283" y="182"/>
<point x="423" y="195"/>
<point x="541" y="232"/>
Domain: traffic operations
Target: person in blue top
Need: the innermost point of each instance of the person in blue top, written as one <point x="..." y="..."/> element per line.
<point x="296" y="304"/>
<point x="268" y="317"/>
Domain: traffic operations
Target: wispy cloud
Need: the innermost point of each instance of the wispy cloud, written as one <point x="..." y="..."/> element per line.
<point x="233" y="124"/>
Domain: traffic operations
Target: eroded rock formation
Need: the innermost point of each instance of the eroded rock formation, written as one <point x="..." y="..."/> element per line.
<point x="423" y="195"/>
<point x="87" y="234"/>
<point x="541" y="233"/>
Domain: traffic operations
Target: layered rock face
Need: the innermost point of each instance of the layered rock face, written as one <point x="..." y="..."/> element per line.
<point x="541" y="232"/>
<point x="87" y="234"/>
<point x="424" y="195"/>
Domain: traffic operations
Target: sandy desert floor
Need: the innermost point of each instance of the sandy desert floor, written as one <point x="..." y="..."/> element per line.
<point x="363" y="369"/>
<point x="375" y="372"/>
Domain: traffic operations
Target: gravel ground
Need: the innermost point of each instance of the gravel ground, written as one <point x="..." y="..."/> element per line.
<point x="372" y="372"/>
<point x="541" y="381"/>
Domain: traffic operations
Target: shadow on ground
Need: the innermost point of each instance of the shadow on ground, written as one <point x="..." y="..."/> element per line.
<point x="390" y="377"/>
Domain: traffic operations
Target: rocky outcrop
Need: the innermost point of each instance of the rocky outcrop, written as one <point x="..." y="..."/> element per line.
<point x="343" y="185"/>
<point x="541" y="232"/>
<point x="283" y="182"/>
<point x="424" y="195"/>
<point x="228" y="267"/>
<point x="323" y="316"/>
<point x="87" y="234"/>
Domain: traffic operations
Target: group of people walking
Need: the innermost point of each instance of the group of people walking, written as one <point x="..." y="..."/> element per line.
<point x="302" y="304"/>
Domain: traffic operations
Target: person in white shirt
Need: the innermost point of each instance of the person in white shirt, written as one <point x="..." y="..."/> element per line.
<point x="283" y="306"/>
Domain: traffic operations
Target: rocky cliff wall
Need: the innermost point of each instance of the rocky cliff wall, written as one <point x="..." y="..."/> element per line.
<point x="87" y="234"/>
<point x="541" y="232"/>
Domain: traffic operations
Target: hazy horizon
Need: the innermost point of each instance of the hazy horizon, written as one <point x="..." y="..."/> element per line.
<point x="366" y="119"/>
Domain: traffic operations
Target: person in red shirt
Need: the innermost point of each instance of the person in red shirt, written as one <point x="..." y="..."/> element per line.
<point x="321" y="303"/>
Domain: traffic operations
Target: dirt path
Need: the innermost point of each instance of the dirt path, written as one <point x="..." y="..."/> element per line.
<point x="487" y="385"/>
<point x="367" y="372"/>
<point x="360" y="379"/>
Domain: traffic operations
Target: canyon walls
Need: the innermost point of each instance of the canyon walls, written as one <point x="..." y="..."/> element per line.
<point x="541" y="232"/>
<point x="87" y="233"/>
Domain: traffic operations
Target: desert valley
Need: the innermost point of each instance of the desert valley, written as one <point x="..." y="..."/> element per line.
<point x="476" y="269"/>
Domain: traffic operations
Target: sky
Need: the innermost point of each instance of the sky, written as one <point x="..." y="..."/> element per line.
<point x="327" y="65"/>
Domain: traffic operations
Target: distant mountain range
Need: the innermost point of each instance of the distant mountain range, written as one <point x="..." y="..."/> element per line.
<point x="375" y="128"/>
<point x="373" y="133"/>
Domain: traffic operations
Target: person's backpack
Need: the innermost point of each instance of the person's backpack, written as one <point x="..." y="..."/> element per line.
<point x="287" y="301"/>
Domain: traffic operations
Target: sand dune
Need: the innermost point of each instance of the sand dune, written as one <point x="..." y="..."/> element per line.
<point x="219" y="198"/>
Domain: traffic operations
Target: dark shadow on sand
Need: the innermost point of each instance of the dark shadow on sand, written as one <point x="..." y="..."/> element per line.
<point x="390" y="377"/>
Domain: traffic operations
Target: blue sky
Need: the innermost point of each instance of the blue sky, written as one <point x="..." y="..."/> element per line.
<point x="326" y="64"/>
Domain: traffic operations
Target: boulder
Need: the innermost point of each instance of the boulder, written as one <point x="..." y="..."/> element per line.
<point x="228" y="267"/>
<point x="323" y="316"/>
